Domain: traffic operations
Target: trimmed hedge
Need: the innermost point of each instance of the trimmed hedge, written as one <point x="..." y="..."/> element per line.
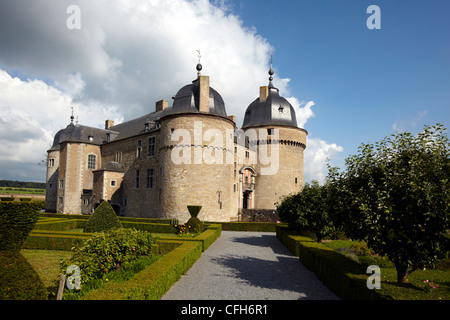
<point x="343" y="276"/>
<point x="19" y="281"/>
<point x="249" y="226"/>
<point x="154" y="281"/>
<point x="17" y="219"/>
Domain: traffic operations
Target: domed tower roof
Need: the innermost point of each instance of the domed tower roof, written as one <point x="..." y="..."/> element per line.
<point x="270" y="109"/>
<point x="187" y="99"/>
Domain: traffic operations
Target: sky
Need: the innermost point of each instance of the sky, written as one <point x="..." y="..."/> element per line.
<point x="349" y="84"/>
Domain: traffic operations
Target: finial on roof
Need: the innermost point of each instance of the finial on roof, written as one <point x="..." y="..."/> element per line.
<point x="271" y="72"/>
<point x="199" y="65"/>
<point x="71" y="117"/>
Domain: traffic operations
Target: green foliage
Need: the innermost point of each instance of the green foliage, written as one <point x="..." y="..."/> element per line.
<point x="395" y="196"/>
<point x="19" y="281"/>
<point x="103" y="218"/>
<point x="194" y="225"/>
<point x="17" y="219"/>
<point x="307" y="211"/>
<point x="194" y="210"/>
<point x="107" y="251"/>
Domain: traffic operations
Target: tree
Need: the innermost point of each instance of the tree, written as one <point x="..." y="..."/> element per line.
<point x="395" y="196"/>
<point x="307" y="210"/>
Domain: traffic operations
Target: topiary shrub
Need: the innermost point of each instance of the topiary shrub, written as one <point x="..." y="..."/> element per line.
<point x="194" y="225"/>
<point x="17" y="219"/>
<point x="194" y="210"/>
<point x="103" y="218"/>
<point x="19" y="281"/>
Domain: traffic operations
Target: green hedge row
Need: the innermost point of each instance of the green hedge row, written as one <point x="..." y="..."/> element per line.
<point x="154" y="281"/>
<point x="249" y="226"/>
<point x="345" y="277"/>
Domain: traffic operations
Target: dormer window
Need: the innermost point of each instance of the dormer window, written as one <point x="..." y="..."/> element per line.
<point x="108" y="137"/>
<point x="280" y="109"/>
<point x="91" y="137"/>
<point x="147" y="126"/>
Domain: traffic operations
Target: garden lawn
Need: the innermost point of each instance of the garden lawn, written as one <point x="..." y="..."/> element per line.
<point x="46" y="264"/>
<point x="415" y="289"/>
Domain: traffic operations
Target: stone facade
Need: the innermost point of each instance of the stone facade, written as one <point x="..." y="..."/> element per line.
<point x="189" y="154"/>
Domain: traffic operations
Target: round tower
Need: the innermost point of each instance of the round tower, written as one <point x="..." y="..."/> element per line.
<point x="196" y="136"/>
<point x="271" y="125"/>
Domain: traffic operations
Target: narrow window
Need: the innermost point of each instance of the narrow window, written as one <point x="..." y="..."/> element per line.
<point x="151" y="146"/>
<point x="149" y="178"/>
<point x="295" y="180"/>
<point x="61" y="184"/>
<point x="270" y="131"/>
<point x="113" y="183"/>
<point x="137" y="179"/>
<point x="91" y="161"/>
<point x="139" y="149"/>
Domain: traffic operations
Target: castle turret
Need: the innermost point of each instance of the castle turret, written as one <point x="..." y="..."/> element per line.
<point x="271" y="125"/>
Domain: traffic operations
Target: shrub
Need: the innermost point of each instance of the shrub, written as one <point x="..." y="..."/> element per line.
<point x="19" y="281"/>
<point x="194" y="225"/>
<point x="107" y="251"/>
<point x="16" y="222"/>
<point x="194" y="210"/>
<point x="103" y="218"/>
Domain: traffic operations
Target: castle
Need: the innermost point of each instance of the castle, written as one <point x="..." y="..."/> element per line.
<point x="190" y="153"/>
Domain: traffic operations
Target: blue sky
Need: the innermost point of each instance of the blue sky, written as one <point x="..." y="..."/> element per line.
<point x="349" y="84"/>
<point x="365" y="83"/>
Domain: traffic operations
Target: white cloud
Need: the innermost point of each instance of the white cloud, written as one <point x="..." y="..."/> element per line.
<point x="302" y="109"/>
<point x="127" y="55"/>
<point x="31" y="112"/>
<point x="316" y="155"/>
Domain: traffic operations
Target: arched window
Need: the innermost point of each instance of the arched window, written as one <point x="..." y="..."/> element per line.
<point x="92" y="159"/>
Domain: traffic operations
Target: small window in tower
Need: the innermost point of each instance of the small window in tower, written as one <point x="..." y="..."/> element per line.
<point x="51" y="163"/>
<point x="139" y="149"/>
<point x="137" y="179"/>
<point x="280" y="109"/>
<point x="151" y="146"/>
<point x="270" y="131"/>
<point x="91" y="161"/>
<point x="113" y="183"/>
<point x="150" y="178"/>
<point x="295" y="180"/>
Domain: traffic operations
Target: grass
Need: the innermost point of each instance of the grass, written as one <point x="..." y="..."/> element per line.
<point x="10" y="190"/>
<point x="414" y="289"/>
<point x="46" y="264"/>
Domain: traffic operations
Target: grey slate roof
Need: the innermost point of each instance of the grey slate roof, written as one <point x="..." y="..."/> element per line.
<point x="79" y="133"/>
<point x="276" y="110"/>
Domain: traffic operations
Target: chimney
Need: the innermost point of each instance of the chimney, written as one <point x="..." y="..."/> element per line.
<point x="263" y="93"/>
<point x="161" y="105"/>
<point x="203" y="94"/>
<point x="109" y="124"/>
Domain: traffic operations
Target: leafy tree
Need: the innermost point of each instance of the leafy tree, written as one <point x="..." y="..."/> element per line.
<point x="307" y="210"/>
<point x="394" y="194"/>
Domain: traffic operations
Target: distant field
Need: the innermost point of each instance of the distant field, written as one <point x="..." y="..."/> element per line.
<point x="12" y="190"/>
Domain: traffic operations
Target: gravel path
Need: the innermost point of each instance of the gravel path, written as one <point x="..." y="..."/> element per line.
<point x="248" y="266"/>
